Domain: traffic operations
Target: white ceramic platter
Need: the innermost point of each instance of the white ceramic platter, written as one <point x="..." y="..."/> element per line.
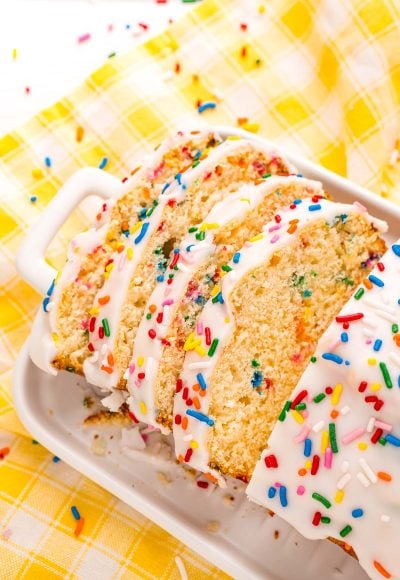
<point x="246" y="542"/>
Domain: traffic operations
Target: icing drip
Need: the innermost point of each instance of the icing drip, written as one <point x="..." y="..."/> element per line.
<point x="338" y="457"/>
<point x="166" y="297"/>
<point x="192" y="398"/>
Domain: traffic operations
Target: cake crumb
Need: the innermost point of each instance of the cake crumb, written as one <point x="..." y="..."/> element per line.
<point x="228" y="500"/>
<point x="164" y="478"/>
<point x="213" y="526"/>
<point x="276" y="534"/>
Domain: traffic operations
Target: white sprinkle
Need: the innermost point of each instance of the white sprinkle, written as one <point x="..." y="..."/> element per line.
<point x="393" y="157"/>
<point x="181" y="567"/>
<point x="371" y="424"/>
<point x="166" y="315"/>
<point x="168" y="75"/>
<point x="367" y="470"/>
<point x="385" y="518"/>
<point x="318" y="426"/>
<point x="345" y="466"/>
<point x="199" y="365"/>
<point x="394" y="358"/>
<point x="345" y="410"/>
<point x="379" y="304"/>
<point x="343" y="481"/>
<point x="126" y="375"/>
<point x="182" y="267"/>
<point x="362" y="479"/>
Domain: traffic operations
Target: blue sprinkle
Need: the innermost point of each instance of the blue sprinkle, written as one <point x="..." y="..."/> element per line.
<point x="376" y="280"/>
<point x="299" y="175"/>
<point x="377" y="345"/>
<point x="396" y="249"/>
<point x="103" y="163"/>
<point x="205" y="106"/>
<point x="176" y="251"/>
<point x="398" y="302"/>
<point x="56" y="459"/>
<point x="178" y="178"/>
<point x="333" y="357"/>
<point x="257" y="379"/>
<point x="47" y="161"/>
<point x="45" y="303"/>
<point x="189" y="247"/>
<point x="398" y="381"/>
<point x="142" y="214"/>
<point x="344" y="337"/>
<point x="307" y="293"/>
<point x="220" y="298"/>
<point x="164" y="189"/>
<point x="297" y="201"/>
<point x="160" y="278"/>
<point x="236" y="259"/>
<point x="75" y="513"/>
<point x="271" y="492"/>
<point x="197" y="154"/>
<point x="357" y="513"/>
<point x="51" y="288"/>
<point x="282" y="496"/>
<point x="314" y="207"/>
<point x="347" y="363"/>
<point x="33" y="198"/>
<point x="307" y="447"/>
<point x="200" y="417"/>
<point x="142" y="233"/>
<point x="393" y="440"/>
<point x="201" y="381"/>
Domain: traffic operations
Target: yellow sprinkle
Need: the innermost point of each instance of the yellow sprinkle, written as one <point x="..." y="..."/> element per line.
<point x="14" y="53"/>
<point x="129" y="253"/>
<point x="252" y="127"/>
<point x="245" y="199"/>
<point x="136" y="227"/>
<point x="337" y="393"/>
<point x="308" y="464"/>
<point x="372" y="361"/>
<point x="109" y="267"/>
<point x="94" y="311"/>
<point x="190" y="342"/>
<point x="143" y="408"/>
<point x="256" y="238"/>
<point x="37" y="172"/>
<point x="339" y="496"/>
<point x="140" y="361"/>
<point x="57" y="277"/>
<point x="200" y="350"/>
<point x="208" y="226"/>
<point x="233" y="138"/>
<point x="261" y="9"/>
<point x="375" y="386"/>
<point x="307" y="313"/>
<point x="194" y="444"/>
<point x="297" y="416"/>
<point x="362" y="446"/>
<point x="216" y="290"/>
<point x="227" y="320"/>
<point x="324" y="441"/>
<point x="54" y="336"/>
<point x="106" y="275"/>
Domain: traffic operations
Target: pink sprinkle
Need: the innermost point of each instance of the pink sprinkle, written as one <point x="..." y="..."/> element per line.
<point x="305" y="413"/>
<point x="167" y="302"/>
<point x="353" y="435"/>
<point x="384" y="426"/>
<point x="300" y="490"/>
<point x="360" y="206"/>
<point x="274" y="239"/>
<point x="275" y="228"/>
<point x="84" y="37"/>
<point x="328" y="458"/>
<point x="303" y="434"/>
<point x="131" y="368"/>
<point x="369" y="341"/>
<point x="278" y="484"/>
<point x="199" y="328"/>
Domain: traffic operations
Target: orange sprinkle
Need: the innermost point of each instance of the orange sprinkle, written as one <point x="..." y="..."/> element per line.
<point x="211" y="477"/>
<point x="184" y="423"/>
<point x="396" y="339"/>
<point x="196" y="403"/>
<point x="382" y="570"/>
<point x="196" y="387"/>
<point x="292" y="228"/>
<point x="243" y="52"/>
<point x="181" y="458"/>
<point x="106" y="369"/>
<point x="4" y="451"/>
<point x="79" y="526"/>
<point x="384" y="476"/>
<point x="334" y="414"/>
<point x="152" y="308"/>
<point x="104" y="300"/>
<point x="242" y="121"/>
<point x="202" y="393"/>
<point x="120" y="248"/>
<point x="125" y="226"/>
<point x="302" y="472"/>
<point x="347" y="547"/>
<point x="110" y="359"/>
<point x="98" y="217"/>
<point x="135" y="170"/>
<point x="368" y="284"/>
<point x="80" y="131"/>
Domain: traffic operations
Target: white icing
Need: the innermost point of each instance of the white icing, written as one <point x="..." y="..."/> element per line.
<point x="166" y="297"/>
<point x="219" y="319"/>
<point x="373" y="536"/>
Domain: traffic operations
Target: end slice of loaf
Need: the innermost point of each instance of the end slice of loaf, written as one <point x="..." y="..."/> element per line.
<point x="274" y="304"/>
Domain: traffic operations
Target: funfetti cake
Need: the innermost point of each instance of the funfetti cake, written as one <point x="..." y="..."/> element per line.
<point x="332" y="465"/>
<point x="254" y="338"/>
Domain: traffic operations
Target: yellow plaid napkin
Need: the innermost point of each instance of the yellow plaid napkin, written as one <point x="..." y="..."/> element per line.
<point x="321" y="77"/>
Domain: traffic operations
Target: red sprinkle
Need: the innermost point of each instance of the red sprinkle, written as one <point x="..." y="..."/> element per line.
<point x="189" y="402"/>
<point x="381" y="267"/>
<point x="185" y="393"/>
<point x="141" y="376"/>
<point x="101" y="332"/>
<point x="202" y="484"/>
<point x="243" y="26"/>
<point x="278" y="219"/>
<point x="179" y="385"/>
<point x="376" y="436"/>
<point x="297" y="400"/>
<point x="315" y="465"/>
<point x="316" y="519"/>
<point x="362" y="386"/>
<point x="132" y="416"/>
<point x="371" y="399"/>
<point x="174" y="260"/>
<point x="178" y="419"/>
<point x="207" y="331"/>
<point x="271" y="462"/>
<point x="152" y="333"/>
<point x="350" y="317"/>
<point x="188" y="454"/>
<point x="160" y="317"/>
<point x="92" y="324"/>
<point x="4" y="451"/>
<point x="90" y="347"/>
<point x="378" y="405"/>
<point x="329" y="390"/>
<point x="143" y="25"/>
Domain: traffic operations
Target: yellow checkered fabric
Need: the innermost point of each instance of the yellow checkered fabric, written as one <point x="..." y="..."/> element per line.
<point x="321" y="77"/>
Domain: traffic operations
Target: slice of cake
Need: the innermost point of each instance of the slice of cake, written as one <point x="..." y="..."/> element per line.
<point x="60" y="338"/>
<point x="139" y="261"/>
<point x="192" y="276"/>
<point x="332" y="465"/>
<point x="280" y="293"/>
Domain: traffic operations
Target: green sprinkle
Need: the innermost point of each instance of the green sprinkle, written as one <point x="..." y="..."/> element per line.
<point x="385" y="374"/>
<point x="332" y="437"/>
<point x="286" y="408"/>
<point x="213" y="346"/>
<point x="34" y="442"/>
<point x="200" y="236"/>
<point x="325" y="520"/>
<point x="195" y="164"/>
<point x="255" y="363"/>
<point x="104" y="322"/>
<point x="318" y="398"/>
<point x="395" y="328"/>
<point x="148" y="316"/>
<point x="313" y="359"/>
<point x="345" y="531"/>
<point x="192" y="229"/>
<point x="112" y="54"/>
<point x="226" y="268"/>
<point x="382" y="441"/>
<point x="266" y="175"/>
<point x="301" y="407"/>
<point x="325" y="502"/>
<point x="359" y="293"/>
<point x="158" y="250"/>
